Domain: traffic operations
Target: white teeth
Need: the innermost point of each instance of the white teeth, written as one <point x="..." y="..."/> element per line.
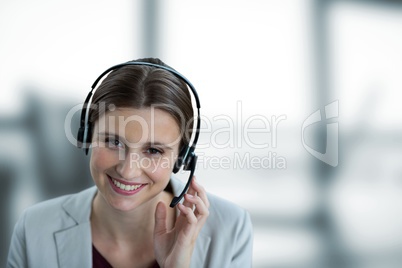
<point x="126" y="187"/>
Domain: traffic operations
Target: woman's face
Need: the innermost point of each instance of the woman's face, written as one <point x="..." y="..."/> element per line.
<point x="133" y="152"/>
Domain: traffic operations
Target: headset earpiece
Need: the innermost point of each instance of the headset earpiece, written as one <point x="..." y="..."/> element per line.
<point x="85" y="130"/>
<point x="189" y="164"/>
<point x="191" y="161"/>
<point x="80" y="137"/>
<point x="84" y="138"/>
<point x="88" y="139"/>
<point x="180" y="159"/>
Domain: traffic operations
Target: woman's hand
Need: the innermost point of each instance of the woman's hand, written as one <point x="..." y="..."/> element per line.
<point x="173" y="248"/>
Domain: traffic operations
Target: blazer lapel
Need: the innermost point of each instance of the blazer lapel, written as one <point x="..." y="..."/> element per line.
<point x="74" y="241"/>
<point x="74" y="246"/>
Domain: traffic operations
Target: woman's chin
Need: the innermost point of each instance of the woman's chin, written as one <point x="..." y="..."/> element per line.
<point x="122" y="205"/>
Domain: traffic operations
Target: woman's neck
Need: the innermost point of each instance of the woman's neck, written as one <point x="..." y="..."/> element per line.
<point x="126" y="227"/>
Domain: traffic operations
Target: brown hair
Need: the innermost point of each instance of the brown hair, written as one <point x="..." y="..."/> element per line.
<point x="141" y="86"/>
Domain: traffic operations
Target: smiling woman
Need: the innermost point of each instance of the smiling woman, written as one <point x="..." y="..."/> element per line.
<point x="139" y="129"/>
<point x="130" y="161"/>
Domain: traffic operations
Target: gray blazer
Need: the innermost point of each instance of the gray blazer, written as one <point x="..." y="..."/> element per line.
<point x="57" y="233"/>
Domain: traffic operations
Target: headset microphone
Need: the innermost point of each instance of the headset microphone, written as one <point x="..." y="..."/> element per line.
<point x="186" y="158"/>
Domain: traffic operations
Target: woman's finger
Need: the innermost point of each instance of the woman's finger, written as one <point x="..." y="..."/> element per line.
<point x="200" y="192"/>
<point x="160" y="219"/>
<point x="188" y="212"/>
<point x="201" y="209"/>
<point x="190" y="191"/>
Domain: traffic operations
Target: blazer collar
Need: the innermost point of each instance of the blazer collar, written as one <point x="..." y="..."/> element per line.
<point x="78" y="206"/>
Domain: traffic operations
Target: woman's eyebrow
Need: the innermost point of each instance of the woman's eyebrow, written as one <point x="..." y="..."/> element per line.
<point x="111" y="135"/>
<point x="108" y="134"/>
<point x="156" y="143"/>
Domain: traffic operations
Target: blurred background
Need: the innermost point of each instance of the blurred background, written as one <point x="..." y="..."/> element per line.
<point x="263" y="66"/>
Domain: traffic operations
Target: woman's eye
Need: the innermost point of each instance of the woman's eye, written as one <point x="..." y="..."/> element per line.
<point x="154" y="151"/>
<point x="113" y="143"/>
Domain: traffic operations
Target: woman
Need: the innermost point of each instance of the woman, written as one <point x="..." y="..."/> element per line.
<point x="140" y="120"/>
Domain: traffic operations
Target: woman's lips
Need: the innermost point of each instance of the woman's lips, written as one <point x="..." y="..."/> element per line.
<point x="125" y="188"/>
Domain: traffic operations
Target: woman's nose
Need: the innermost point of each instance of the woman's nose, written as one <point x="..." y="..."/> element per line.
<point x="130" y="166"/>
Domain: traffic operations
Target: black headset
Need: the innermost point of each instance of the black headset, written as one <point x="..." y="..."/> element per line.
<point x="187" y="157"/>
